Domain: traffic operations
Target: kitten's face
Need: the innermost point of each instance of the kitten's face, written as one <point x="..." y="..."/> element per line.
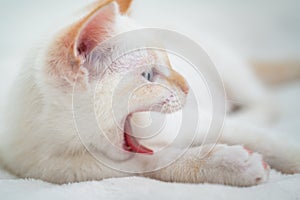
<point x="140" y="81"/>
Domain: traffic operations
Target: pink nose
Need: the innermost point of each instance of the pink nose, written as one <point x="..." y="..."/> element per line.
<point x="185" y="88"/>
<point x="186" y="91"/>
<point x="178" y="80"/>
<point x="181" y="82"/>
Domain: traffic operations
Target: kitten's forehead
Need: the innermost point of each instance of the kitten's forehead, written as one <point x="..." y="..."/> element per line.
<point x="162" y="56"/>
<point x="141" y="58"/>
<point x="163" y="63"/>
<point x="145" y="58"/>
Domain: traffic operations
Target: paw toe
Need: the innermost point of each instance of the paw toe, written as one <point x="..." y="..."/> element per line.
<point x="248" y="150"/>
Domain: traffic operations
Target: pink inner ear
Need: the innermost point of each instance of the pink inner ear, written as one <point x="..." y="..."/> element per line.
<point x="95" y="29"/>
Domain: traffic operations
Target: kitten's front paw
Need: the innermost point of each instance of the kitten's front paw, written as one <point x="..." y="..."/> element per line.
<point x="240" y="166"/>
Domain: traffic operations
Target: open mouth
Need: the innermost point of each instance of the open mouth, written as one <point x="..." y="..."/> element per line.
<point x="131" y="143"/>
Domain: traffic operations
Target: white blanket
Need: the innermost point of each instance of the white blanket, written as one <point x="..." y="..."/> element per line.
<point x="279" y="187"/>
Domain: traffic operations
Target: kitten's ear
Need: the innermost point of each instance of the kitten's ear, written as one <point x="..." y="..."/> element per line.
<point x="124" y="5"/>
<point x="68" y="52"/>
<point x="92" y="30"/>
<point x="95" y="27"/>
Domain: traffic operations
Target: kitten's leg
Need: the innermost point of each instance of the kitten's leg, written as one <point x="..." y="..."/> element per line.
<point x="248" y="99"/>
<point x="280" y="154"/>
<point x="232" y="165"/>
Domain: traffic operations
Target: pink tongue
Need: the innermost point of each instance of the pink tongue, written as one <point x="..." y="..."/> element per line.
<point x="131" y="143"/>
<point x="134" y="146"/>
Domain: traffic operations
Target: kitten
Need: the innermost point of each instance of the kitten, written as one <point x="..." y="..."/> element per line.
<point x="41" y="140"/>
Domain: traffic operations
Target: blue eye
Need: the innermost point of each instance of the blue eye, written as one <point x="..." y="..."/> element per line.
<point x="148" y="75"/>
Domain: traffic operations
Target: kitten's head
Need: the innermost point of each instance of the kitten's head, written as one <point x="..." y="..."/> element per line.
<point x="140" y="81"/>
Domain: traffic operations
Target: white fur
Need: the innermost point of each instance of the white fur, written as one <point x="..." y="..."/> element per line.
<point x="40" y="139"/>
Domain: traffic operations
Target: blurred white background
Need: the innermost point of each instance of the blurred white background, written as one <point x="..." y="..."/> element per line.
<point x="257" y="29"/>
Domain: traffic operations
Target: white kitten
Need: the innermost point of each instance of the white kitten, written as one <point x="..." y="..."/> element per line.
<point x="57" y="85"/>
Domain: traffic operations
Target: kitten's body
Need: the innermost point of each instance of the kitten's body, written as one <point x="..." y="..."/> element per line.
<point x="41" y="141"/>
